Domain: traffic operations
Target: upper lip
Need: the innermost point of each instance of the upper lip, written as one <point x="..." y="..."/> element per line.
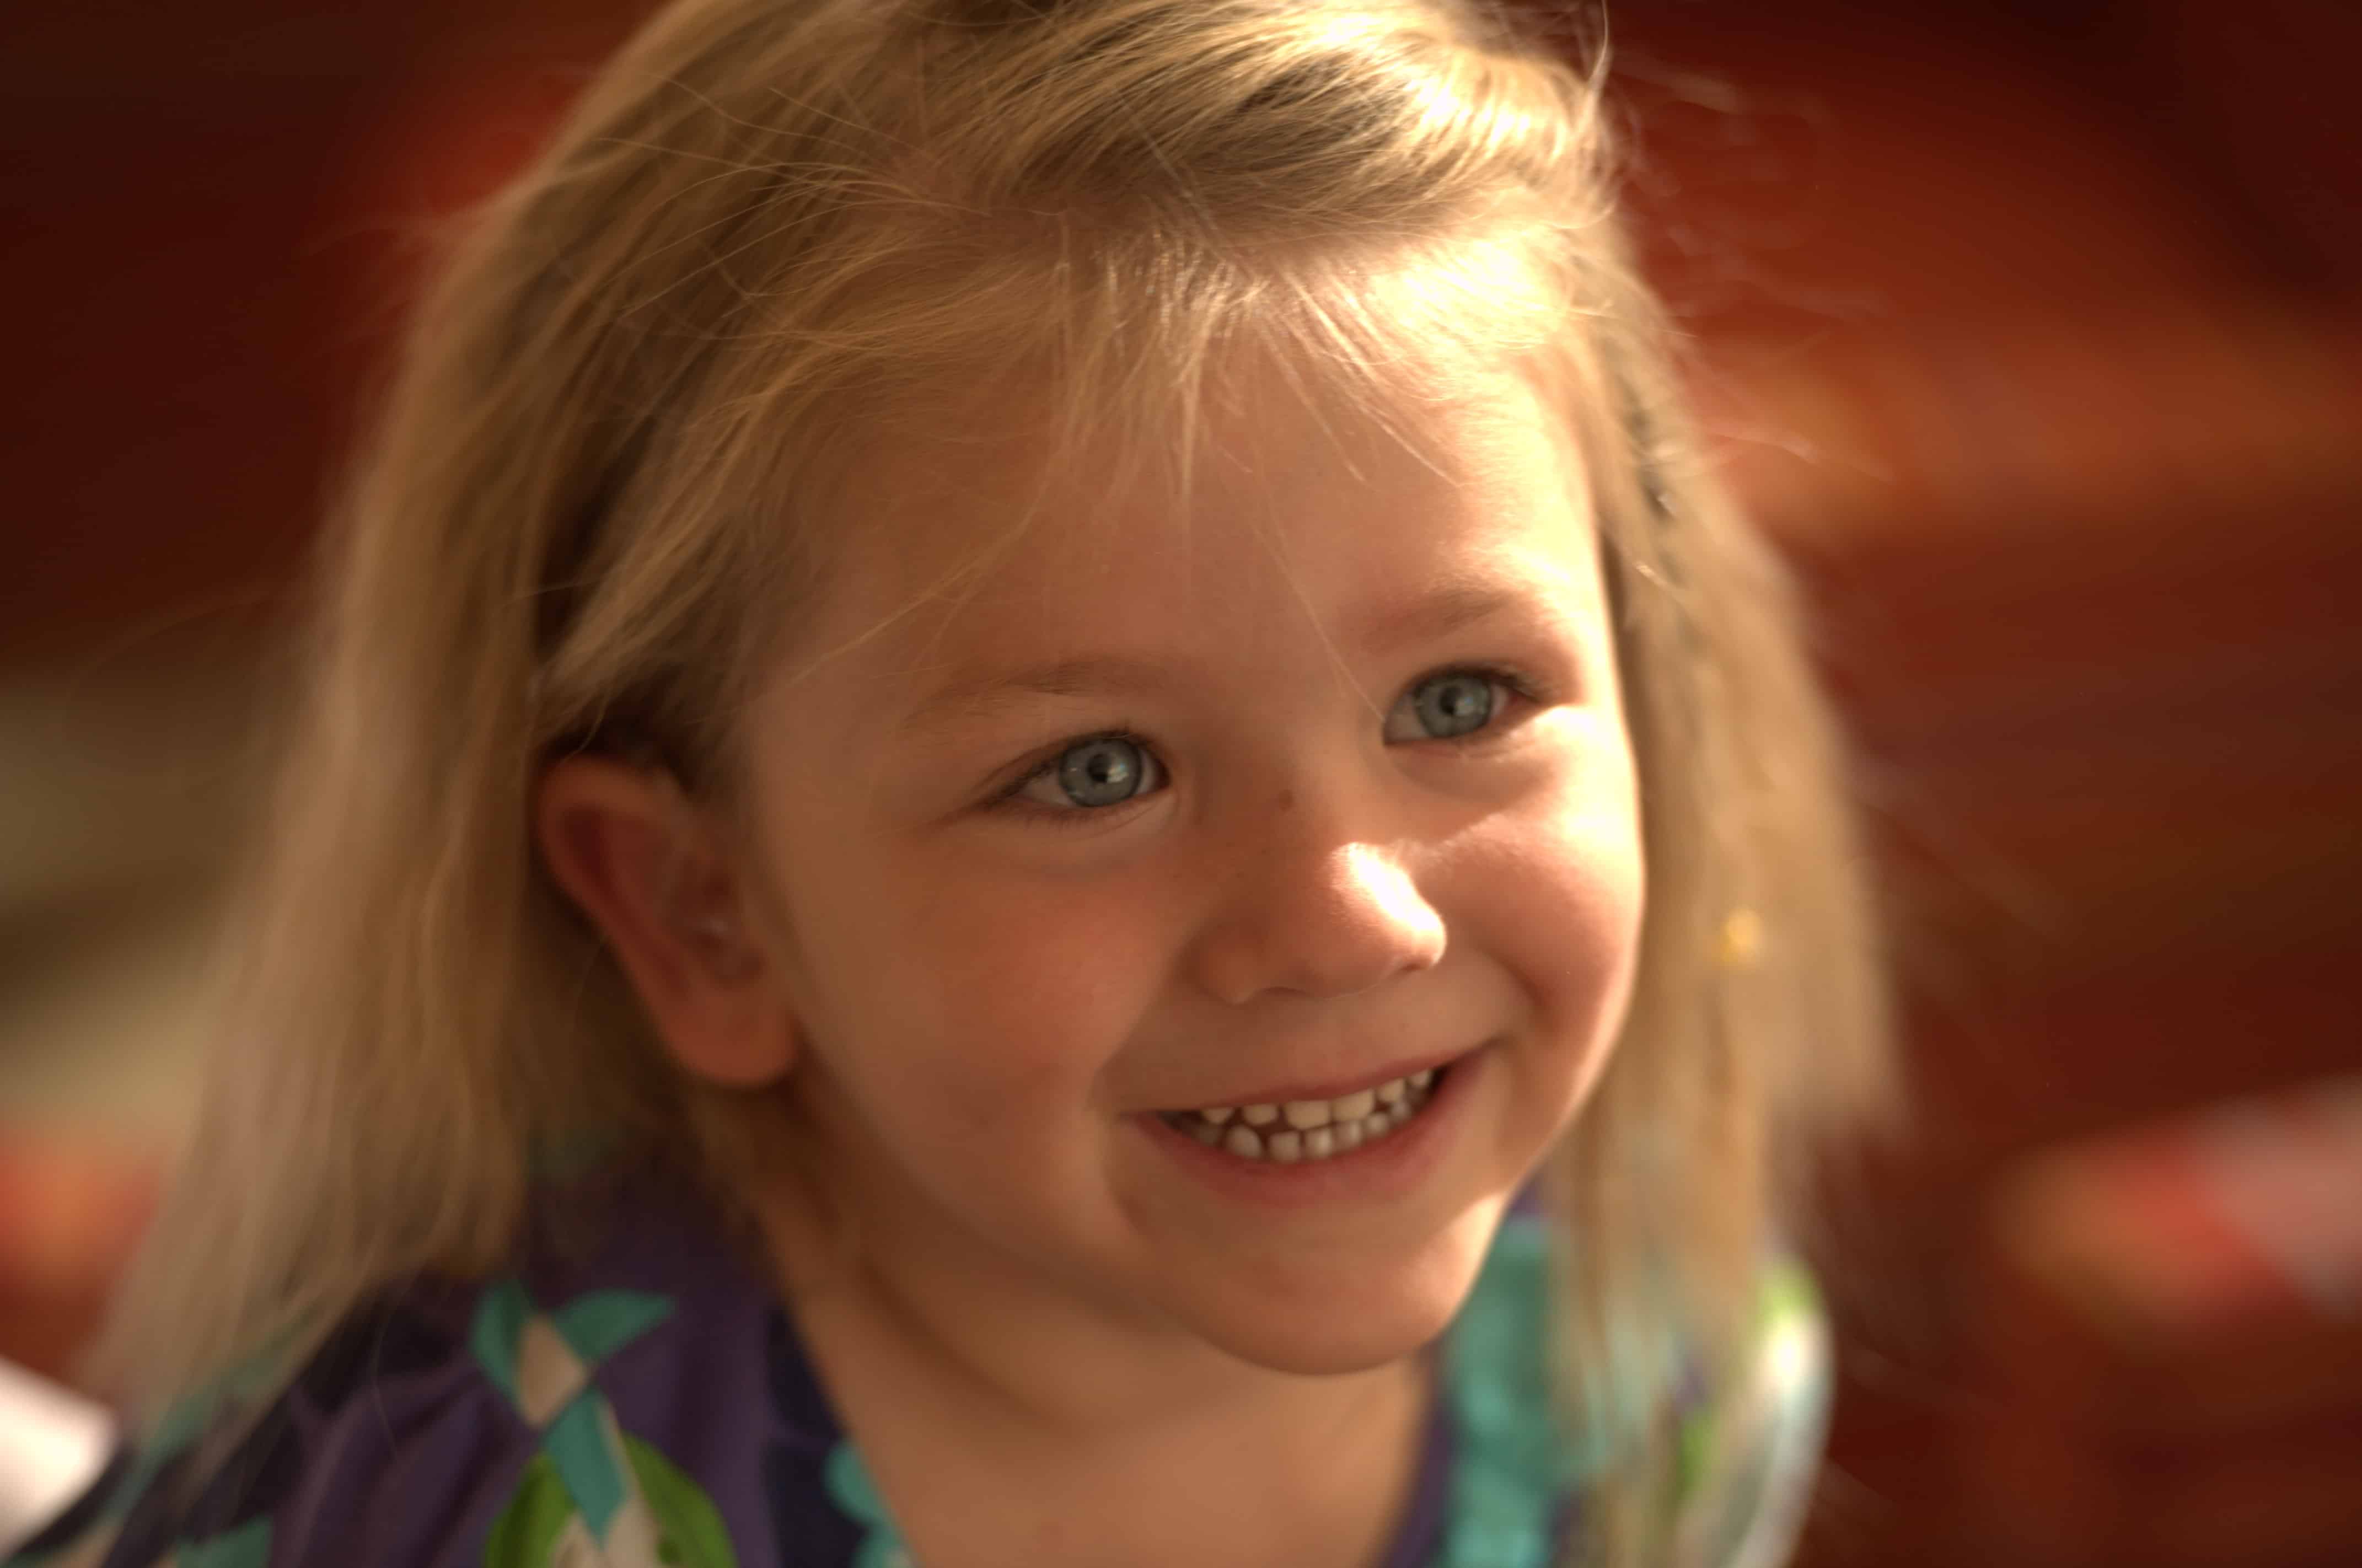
<point x="1333" y="1088"/>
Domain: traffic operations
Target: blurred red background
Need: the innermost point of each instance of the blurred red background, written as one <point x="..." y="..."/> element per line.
<point x="2031" y="329"/>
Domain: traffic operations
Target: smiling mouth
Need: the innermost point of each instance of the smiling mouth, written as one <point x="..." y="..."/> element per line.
<point x="1300" y="1130"/>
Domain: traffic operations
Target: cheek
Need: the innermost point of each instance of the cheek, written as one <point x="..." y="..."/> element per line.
<point x="979" y="1000"/>
<point x="1555" y="898"/>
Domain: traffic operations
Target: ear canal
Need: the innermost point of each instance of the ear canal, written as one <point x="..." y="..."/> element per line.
<point x="723" y="942"/>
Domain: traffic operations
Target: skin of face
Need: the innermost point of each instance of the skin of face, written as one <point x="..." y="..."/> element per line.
<point x="995" y="990"/>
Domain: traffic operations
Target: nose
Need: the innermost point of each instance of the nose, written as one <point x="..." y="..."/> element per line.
<point x="1317" y="915"/>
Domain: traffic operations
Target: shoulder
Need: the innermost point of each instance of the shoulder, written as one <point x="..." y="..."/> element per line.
<point x="390" y="1393"/>
<point x="611" y="1410"/>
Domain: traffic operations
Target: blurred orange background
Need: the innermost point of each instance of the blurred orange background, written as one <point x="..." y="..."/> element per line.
<point x="2032" y="332"/>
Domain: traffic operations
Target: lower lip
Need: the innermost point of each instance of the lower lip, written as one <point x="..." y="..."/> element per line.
<point x="1390" y="1167"/>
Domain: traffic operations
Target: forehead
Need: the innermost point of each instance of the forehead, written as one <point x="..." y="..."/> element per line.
<point x="985" y="534"/>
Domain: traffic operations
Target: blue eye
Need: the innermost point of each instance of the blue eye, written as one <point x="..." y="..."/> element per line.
<point x="1445" y="707"/>
<point x="1103" y="772"/>
<point x="1106" y="770"/>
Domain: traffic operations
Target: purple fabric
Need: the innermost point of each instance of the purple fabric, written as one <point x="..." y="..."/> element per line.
<point x="1419" y="1536"/>
<point x="395" y="1449"/>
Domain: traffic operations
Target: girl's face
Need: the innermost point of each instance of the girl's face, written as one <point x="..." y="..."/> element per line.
<point x="1177" y="813"/>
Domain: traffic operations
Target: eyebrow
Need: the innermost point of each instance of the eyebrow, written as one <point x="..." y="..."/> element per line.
<point x="981" y="693"/>
<point x="1438" y="613"/>
<point x="1430" y="617"/>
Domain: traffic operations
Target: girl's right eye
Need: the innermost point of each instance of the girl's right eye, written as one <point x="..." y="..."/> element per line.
<point x="1092" y="775"/>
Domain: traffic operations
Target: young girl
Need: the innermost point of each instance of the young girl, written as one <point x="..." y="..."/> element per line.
<point x="1044" y="823"/>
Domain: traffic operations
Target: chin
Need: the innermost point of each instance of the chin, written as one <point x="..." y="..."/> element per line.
<point x="1318" y="1323"/>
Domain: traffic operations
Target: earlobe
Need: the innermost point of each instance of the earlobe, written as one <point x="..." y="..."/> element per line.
<point x="658" y="881"/>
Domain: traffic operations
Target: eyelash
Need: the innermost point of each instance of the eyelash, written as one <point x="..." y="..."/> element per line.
<point x="1010" y="797"/>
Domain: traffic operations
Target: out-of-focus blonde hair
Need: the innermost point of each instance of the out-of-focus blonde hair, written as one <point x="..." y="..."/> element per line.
<point x="597" y="499"/>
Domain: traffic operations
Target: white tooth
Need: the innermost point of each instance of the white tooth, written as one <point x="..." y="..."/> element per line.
<point x="1220" y="1114"/>
<point x="1349" y="1136"/>
<point x="1399" y="1112"/>
<point x="1353" y="1107"/>
<point x="1376" y="1124"/>
<point x="1318" y="1143"/>
<point x="1244" y="1142"/>
<point x="1303" y="1114"/>
<point x="1205" y="1132"/>
<point x="1391" y="1091"/>
<point x="1261" y="1115"/>
<point x="1422" y="1079"/>
<point x="1286" y="1148"/>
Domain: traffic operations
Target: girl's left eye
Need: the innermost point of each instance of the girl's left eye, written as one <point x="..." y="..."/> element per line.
<point x="1448" y="706"/>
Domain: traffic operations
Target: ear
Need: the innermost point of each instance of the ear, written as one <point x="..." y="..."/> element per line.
<point x="655" y="874"/>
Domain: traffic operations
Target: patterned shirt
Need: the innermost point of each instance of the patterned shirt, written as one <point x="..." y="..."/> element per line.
<point x="595" y="1409"/>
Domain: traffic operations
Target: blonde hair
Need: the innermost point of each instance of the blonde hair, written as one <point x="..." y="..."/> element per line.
<point x="594" y="501"/>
